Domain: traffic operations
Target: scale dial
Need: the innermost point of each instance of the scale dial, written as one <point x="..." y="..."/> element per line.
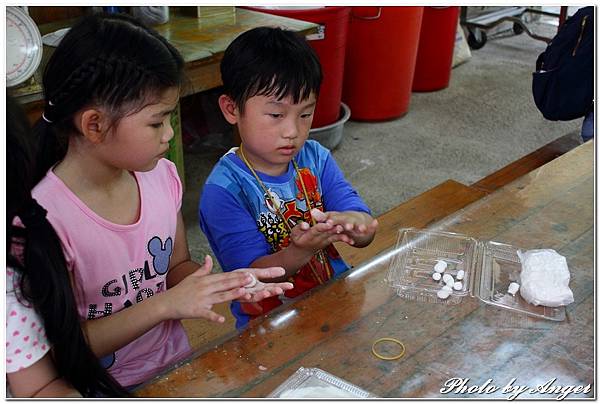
<point x="23" y="46"/>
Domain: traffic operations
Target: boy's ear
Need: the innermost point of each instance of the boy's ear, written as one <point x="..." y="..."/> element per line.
<point x="228" y="108"/>
<point x="92" y="124"/>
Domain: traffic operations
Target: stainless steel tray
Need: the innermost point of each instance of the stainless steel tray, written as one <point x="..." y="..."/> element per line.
<point x="316" y="383"/>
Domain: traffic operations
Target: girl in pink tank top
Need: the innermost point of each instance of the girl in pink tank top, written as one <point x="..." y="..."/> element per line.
<point x="115" y="202"/>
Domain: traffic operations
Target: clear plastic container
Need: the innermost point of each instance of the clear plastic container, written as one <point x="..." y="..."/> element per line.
<point x="489" y="269"/>
<point x="316" y="383"/>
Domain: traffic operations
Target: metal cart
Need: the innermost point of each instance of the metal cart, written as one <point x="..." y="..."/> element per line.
<point x="477" y="26"/>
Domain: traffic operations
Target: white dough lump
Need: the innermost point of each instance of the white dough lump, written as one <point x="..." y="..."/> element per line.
<point x="317" y="392"/>
<point x="513" y="288"/>
<point x="440" y="266"/>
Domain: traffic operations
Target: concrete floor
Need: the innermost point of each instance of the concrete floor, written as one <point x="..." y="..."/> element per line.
<point x="485" y="120"/>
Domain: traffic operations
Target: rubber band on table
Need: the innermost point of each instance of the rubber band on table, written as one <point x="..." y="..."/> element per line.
<point x="388" y="358"/>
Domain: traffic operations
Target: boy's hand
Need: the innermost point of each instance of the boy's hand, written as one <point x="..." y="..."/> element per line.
<point x="358" y="226"/>
<point x="314" y="238"/>
<point x="195" y="295"/>
<point x="260" y="290"/>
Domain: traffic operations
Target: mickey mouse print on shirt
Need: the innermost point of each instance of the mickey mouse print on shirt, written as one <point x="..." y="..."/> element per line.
<point x="136" y="284"/>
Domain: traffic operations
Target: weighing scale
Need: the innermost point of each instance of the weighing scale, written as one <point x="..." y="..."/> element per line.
<point x="23" y="51"/>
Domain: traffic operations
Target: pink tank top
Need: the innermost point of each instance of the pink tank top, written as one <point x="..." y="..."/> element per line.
<point x="115" y="266"/>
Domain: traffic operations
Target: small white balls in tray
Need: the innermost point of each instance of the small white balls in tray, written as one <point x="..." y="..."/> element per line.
<point x="447" y="281"/>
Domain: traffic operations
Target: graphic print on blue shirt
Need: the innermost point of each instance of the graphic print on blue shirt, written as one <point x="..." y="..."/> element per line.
<point x="241" y="225"/>
<point x="272" y="226"/>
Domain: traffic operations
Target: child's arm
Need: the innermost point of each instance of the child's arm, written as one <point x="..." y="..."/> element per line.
<point x="193" y="297"/>
<point x="359" y="226"/>
<point x="40" y="380"/>
<point x="191" y="293"/>
<point x="306" y="240"/>
<point x="182" y="266"/>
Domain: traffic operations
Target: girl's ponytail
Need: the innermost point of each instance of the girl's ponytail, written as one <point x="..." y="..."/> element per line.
<point x="50" y="149"/>
<point x="45" y="282"/>
<point x="44" y="279"/>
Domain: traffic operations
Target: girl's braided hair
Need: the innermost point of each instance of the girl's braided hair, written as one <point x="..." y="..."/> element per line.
<point x="105" y="60"/>
<point x="109" y="61"/>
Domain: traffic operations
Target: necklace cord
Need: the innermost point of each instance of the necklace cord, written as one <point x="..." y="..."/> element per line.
<point x="319" y="254"/>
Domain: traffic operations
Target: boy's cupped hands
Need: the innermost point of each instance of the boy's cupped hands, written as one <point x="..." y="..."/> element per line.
<point x="358" y="227"/>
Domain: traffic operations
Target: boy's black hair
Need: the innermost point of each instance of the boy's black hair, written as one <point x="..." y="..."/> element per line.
<point x="44" y="280"/>
<point x="107" y="60"/>
<point x="270" y="61"/>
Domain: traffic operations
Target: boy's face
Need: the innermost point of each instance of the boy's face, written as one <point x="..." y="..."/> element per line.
<point x="273" y="131"/>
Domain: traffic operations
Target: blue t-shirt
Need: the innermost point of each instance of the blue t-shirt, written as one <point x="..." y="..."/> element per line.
<point x="239" y="225"/>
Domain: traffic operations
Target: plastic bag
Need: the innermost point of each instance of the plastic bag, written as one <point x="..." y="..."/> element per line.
<point x="545" y="278"/>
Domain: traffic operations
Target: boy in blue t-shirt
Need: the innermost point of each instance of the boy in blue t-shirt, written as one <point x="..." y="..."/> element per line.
<point x="279" y="199"/>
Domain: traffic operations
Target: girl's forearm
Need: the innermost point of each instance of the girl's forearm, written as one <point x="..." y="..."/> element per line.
<point x="108" y="334"/>
<point x="181" y="271"/>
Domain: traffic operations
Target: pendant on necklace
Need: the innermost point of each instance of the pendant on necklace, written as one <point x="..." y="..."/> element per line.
<point x="273" y="201"/>
<point x="321" y="257"/>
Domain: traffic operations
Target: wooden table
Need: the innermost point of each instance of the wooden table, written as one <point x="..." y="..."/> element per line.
<point x="334" y="327"/>
<point x="201" y="42"/>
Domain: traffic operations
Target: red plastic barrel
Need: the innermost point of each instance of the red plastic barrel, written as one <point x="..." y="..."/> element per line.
<point x="436" y="48"/>
<point x="331" y="50"/>
<point x="380" y="61"/>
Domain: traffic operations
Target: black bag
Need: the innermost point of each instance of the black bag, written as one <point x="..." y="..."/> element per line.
<point x="563" y="83"/>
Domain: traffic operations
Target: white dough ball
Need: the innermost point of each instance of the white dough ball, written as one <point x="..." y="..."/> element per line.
<point x="460" y="275"/>
<point x="440" y="266"/>
<point x="513" y="288"/>
<point x="443" y="294"/>
<point x="447" y="289"/>
<point x="436" y="276"/>
<point x="252" y="283"/>
<point x="448" y="279"/>
<point x="457" y="285"/>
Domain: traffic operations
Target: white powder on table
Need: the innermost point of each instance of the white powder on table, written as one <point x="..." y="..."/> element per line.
<point x="317" y="392"/>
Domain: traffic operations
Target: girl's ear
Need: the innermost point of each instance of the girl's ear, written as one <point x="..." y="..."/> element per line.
<point x="229" y="109"/>
<point x="92" y="124"/>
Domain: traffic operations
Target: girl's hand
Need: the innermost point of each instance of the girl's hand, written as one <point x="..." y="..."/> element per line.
<point x="358" y="226"/>
<point x="314" y="238"/>
<point x="260" y="290"/>
<point x="195" y="295"/>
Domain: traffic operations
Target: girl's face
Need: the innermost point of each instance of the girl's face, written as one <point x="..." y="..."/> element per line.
<point x="273" y="131"/>
<point x="142" y="138"/>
